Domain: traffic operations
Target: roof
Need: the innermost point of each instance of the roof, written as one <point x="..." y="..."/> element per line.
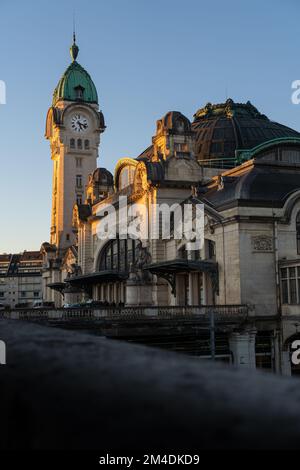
<point x="103" y="176"/>
<point x="84" y="211"/>
<point x="147" y="154"/>
<point x="5" y="258"/>
<point x="174" y="122"/>
<point x="253" y="183"/>
<point x="222" y="129"/>
<point x="31" y="256"/>
<point x="75" y="79"/>
<point x="48" y="247"/>
<point x="14" y="266"/>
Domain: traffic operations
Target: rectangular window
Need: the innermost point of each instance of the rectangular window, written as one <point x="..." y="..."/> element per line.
<point x="79" y="181"/>
<point x="78" y="162"/>
<point x="285" y="291"/>
<point x="290" y="285"/>
<point x="292" y="272"/>
<point x="36" y="294"/>
<point x="293" y="291"/>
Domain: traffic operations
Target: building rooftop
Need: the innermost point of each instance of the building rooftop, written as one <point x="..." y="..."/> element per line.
<point x="221" y="129"/>
<point x="76" y="84"/>
<point x="13" y="264"/>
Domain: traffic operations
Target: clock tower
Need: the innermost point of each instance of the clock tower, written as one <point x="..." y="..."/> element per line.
<point x="73" y="127"/>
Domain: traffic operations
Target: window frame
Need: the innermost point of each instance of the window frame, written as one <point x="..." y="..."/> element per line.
<point x="118" y="254"/>
<point x="290" y="285"/>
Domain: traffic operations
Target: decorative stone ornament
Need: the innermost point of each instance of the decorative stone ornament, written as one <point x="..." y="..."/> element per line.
<point x="262" y="243"/>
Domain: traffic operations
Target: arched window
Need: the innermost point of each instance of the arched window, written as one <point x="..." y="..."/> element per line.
<point x="298" y="232"/>
<point x="72" y="143"/>
<point x="86" y="144"/>
<point x="126" y="176"/>
<point x="118" y="255"/>
<point x="79" y="144"/>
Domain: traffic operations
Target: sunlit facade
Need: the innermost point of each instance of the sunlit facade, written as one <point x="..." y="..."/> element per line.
<point x="243" y="168"/>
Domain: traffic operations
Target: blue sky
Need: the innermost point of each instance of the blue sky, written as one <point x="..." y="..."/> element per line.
<point x="146" y="57"/>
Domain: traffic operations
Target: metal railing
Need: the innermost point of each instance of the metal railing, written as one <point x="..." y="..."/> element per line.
<point x="220" y="312"/>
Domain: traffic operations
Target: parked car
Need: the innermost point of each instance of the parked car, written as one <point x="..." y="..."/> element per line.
<point x="94" y="303"/>
<point x="43" y="305"/>
<point x="22" y="305"/>
<point x="72" y="306"/>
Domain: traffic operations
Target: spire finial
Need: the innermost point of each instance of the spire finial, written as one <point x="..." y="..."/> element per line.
<point x="74" y="33"/>
<point x="74" y="49"/>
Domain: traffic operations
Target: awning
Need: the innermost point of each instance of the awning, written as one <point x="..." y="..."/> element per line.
<point x="59" y="286"/>
<point x="182" y="265"/>
<point x="98" y="277"/>
<point x="64" y="288"/>
<point x="169" y="269"/>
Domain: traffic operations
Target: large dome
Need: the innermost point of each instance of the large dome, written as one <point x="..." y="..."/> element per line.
<point x="221" y="129"/>
<point x="76" y="83"/>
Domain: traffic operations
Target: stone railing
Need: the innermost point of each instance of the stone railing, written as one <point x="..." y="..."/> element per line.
<point x="69" y="390"/>
<point x="220" y="312"/>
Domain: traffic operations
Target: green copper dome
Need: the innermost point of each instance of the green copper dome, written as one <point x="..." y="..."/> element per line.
<point x="75" y="84"/>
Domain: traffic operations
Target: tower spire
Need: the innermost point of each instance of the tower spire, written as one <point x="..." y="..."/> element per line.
<point x="74" y="33"/>
<point x="74" y="49"/>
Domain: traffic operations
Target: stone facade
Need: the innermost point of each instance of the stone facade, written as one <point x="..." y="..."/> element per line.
<point x="251" y="249"/>
<point x="73" y="127"/>
<point x="250" y="241"/>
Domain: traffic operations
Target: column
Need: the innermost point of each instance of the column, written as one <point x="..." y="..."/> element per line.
<point x="286" y="363"/>
<point x="242" y="346"/>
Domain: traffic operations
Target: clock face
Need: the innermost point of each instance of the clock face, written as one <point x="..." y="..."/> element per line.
<point x="79" y="123"/>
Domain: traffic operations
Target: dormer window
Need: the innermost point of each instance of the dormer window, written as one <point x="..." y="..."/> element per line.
<point x="79" y="90"/>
